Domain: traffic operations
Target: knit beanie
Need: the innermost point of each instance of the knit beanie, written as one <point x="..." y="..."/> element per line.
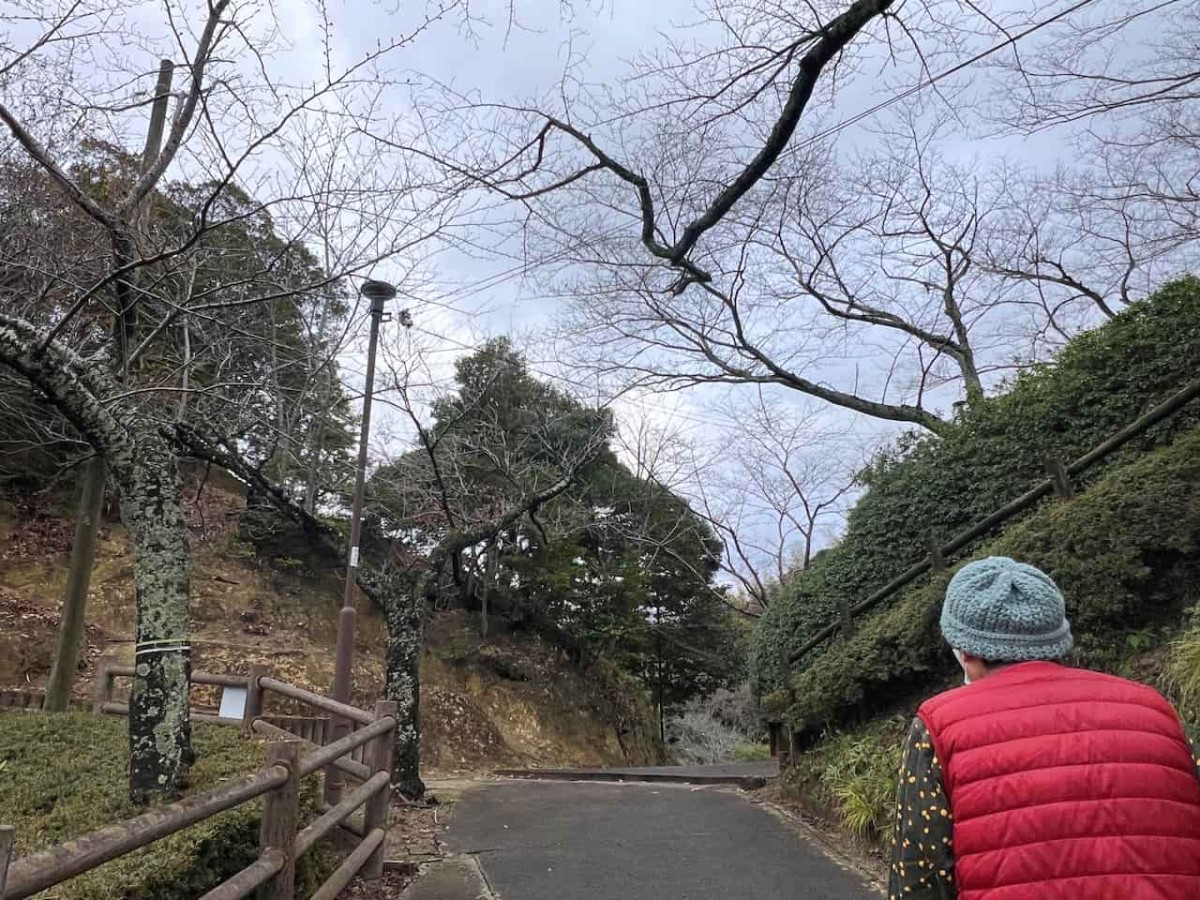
<point x="1002" y="610"/>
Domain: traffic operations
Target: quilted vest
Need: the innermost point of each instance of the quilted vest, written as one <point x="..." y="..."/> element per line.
<point x="1066" y="784"/>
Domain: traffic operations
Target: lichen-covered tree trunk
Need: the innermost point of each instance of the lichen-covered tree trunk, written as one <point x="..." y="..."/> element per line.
<point x="159" y="722"/>
<point x="146" y="473"/>
<point x="403" y="607"/>
<point x="406" y="628"/>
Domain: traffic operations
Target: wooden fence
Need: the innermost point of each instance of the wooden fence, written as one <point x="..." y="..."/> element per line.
<point x="22" y="698"/>
<point x="298" y="749"/>
<point x="1058" y="482"/>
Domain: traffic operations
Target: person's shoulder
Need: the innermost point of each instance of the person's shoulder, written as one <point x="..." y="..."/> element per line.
<point x="1116" y="681"/>
<point x="941" y="699"/>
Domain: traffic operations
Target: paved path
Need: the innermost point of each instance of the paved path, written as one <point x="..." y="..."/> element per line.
<point x="552" y="841"/>
<point x="745" y="775"/>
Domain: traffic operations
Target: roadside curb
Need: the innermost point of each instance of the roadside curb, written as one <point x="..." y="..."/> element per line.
<point x="814" y="837"/>
<point x="745" y="782"/>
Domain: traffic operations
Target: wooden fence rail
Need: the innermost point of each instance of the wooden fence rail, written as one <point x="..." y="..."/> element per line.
<point x="1057" y="483"/>
<point x="365" y="754"/>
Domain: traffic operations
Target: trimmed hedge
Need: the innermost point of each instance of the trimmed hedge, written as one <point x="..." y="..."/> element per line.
<point x="63" y="775"/>
<point x="927" y="486"/>
<point x="1126" y="553"/>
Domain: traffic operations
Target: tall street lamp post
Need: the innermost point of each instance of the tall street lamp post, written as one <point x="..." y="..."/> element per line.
<point x="378" y="292"/>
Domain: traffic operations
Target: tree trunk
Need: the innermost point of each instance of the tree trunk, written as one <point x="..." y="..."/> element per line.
<point x="404" y="609"/>
<point x="159" y="720"/>
<point x="146" y="472"/>
<point x="403" y="673"/>
<point x="489" y="579"/>
<point x="74" y="608"/>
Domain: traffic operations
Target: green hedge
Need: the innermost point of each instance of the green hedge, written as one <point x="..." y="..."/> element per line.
<point x="928" y="486"/>
<point x="1126" y="553"/>
<point x="63" y="775"/>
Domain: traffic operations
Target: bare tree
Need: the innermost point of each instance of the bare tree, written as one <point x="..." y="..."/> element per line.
<point x="128" y="280"/>
<point x="774" y="494"/>
<point x="1124" y="80"/>
<point x="486" y="456"/>
<point x="772" y="488"/>
<point x="758" y="252"/>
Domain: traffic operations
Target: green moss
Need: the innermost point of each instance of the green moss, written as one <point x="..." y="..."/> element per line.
<point x="64" y="775"/>
<point x="1125" y="552"/>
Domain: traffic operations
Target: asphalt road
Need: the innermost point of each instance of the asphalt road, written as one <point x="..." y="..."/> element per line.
<point x="746" y="775"/>
<point x="555" y="841"/>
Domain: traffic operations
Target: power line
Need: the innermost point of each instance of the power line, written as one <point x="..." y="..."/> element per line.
<point x="941" y="76"/>
<point x="495" y="280"/>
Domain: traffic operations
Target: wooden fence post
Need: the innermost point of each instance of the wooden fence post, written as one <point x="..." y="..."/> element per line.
<point x="375" y="814"/>
<point x="7" y="838"/>
<point x="1059" y="478"/>
<point x="280" y="819"/>
<point x="846" y="617"/>
<point x="937" y="562"/>
<point x="254" y="698"/>
<point x="785" y="672"/>
<point x="102" y="689"/>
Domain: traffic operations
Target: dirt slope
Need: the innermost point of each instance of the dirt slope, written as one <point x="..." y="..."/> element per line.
<point x="510" y="700"/>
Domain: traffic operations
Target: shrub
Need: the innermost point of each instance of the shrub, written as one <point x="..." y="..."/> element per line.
<point x="65" y="775"/>
<point x="715" y="730"/>
<point x="1125" y="553"/>
<point x="853" y="776"/>
<point x="928" y="486"/>
<point x="697" y="739"/>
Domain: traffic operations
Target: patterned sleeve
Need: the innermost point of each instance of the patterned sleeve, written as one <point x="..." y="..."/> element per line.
<point x="922" y="855"/>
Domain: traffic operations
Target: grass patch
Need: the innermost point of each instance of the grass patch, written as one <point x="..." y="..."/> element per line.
<point x="63" y="775"/>
<point x="1181" y="675"/>
<point x="752" y="753"/>
<point x="851" y="777"/>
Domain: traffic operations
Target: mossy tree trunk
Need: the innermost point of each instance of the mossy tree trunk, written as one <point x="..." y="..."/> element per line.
<point x="403" y="606"/>
<point x="146" y="472"/>
<point x="159" y="722"/>
<point x="406" y="630"/>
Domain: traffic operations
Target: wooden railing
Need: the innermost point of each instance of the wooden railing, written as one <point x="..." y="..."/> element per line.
<point x="25" y="698"/>
<point x="1058" y="483"/>
<point x="365" y="755"/>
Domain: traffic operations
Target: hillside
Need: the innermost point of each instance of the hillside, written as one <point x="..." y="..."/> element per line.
<point x="1124" y="547"/>
<point x="926" y="488"/>
<point x="510" y="700"/>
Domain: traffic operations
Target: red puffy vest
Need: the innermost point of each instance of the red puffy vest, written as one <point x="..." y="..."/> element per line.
<point x="1065" y="783"/>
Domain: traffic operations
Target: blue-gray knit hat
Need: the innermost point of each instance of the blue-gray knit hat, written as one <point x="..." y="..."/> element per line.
<point x="999" y="609"/>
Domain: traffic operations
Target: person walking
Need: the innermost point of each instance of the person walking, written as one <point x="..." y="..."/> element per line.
<point x="1034" y="779"/>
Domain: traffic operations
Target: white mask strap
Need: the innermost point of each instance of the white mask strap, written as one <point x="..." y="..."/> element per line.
<point x="958" y="654"/>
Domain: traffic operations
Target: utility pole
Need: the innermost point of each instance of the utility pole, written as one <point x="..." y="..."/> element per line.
<point x="378" y="292"/>
<point x="91" y="499"/>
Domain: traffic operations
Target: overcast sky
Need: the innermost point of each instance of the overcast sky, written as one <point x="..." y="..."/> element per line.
<point x="497" y="59"/>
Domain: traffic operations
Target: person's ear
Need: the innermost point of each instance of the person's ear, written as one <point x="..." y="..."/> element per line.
<point x="974" y="666"/>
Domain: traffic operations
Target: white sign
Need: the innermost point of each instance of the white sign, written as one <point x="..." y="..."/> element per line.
<point x="233" y="703"/>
